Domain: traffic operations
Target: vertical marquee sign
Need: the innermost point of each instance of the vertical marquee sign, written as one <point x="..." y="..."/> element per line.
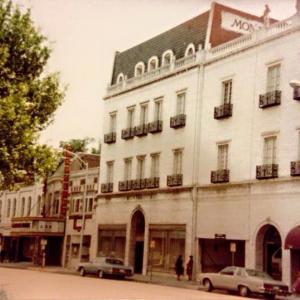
<point x="65" y="181"/>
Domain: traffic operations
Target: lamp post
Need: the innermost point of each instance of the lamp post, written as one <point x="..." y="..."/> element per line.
<point x="86" y="166"/>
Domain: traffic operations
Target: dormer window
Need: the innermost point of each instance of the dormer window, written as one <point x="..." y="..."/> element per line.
<point x="139" y="69"/>
<point x="152" y="63"/>
<point x="190" y="50"/>
<point x="120" y="78"/>
<point x="167" y="57"/>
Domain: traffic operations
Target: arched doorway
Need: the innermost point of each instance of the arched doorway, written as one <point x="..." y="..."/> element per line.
<point x="137" y="241"/>
<point x="269" y="251"/>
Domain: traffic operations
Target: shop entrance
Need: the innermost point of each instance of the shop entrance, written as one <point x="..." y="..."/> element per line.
<point x="268" y="254"/>
<point x="137" y="241"/>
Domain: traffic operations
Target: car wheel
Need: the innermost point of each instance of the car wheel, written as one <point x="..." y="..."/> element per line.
<point x="100" y="274"/>
<point x="207" y="285"/>
<point x="243" y="291"/>
<point x="82" y="272"/>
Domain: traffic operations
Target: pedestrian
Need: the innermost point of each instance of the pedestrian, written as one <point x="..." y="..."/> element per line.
<point x="296" y="285"/>
<point x="179" y="267"/>
<point x="189" y="267"/>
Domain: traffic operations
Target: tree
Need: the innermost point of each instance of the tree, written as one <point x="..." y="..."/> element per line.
<point x="77" y="145"/>
<point x="28" y="98"/>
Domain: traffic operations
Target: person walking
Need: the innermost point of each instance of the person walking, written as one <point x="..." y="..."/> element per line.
<point x="179" y="267"/>
<point x="189" y="268"/>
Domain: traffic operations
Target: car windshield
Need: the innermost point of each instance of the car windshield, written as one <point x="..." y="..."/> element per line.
<point x="114" y="261"/>
<point x="256" y="273"/>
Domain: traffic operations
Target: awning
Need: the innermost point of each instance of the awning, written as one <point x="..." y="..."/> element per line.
<point x="292" y="240"/>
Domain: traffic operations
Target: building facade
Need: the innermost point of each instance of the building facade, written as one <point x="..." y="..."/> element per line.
<point x="33" y="226"/>
<point x="201" y="147"/>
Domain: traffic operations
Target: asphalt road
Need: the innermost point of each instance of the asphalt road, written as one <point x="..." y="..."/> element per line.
<point x="37" y="285"/>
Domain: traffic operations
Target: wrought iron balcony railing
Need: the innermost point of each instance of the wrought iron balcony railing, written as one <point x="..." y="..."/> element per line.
<point x="219" y="176"/>
<point x="270" y="99"/>
<point x="174" y="180"/>
<point x="267" y="171"/>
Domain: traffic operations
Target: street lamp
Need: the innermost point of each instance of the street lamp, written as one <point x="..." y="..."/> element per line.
<point x="86" y="166"/>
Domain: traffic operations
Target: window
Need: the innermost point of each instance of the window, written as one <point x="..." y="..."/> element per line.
<point x="77" y="205"/>
<point x="141" y="167"/>
<point x="49" y="205"/>
<point x="158" y="109"/>
<point x="90" y="204"/>
<point x="29" y="206"/>
<point x="152" y="63"/>
<point x="180" y="102"/>
<point x="130" y="117"/>
<point x="269" y="150"/>
<point x="95" y="179"/>
<point x="167" y="57"/>
<point x="8" y="209"/>
<point x="177" y="167"/>
<point x="127" y="168"/>
<point x="82" y="181"/>
<point x="56" y="203"/>
<point x="38" y="206"/>
<point x="109" y="171"/>
<point x="144" y="114"/>
<point x="226" y="91"/>
<point x="22" y="207"/>
<point x="112" y="122"/>
<point x="223" y="157"/>
<point x="120" y="78"/>
<point x="14" y="208"/>
<point x="155" y="165"/>
<point x="190" y="50"/>
<point x="273" y="78"/>
<point x="139" y="69"/>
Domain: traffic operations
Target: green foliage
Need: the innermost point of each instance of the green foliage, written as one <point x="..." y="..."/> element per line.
<point x="28" y="98"/>
<point x="77" y="145"/>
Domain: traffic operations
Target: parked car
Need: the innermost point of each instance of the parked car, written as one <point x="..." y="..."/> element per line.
<point x="102" y="266"/>
<point x="244" y="281"/>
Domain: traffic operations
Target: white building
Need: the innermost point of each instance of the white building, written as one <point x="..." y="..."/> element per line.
<point x="201" y="128"/>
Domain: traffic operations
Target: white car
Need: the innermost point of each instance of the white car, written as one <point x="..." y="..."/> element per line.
<point x="102" y="266"/>
<point x="244" y="281"/>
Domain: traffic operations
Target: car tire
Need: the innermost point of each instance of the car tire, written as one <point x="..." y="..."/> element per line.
<point x="243" y="291"/>
<point x="82" y="272"/>
<point x="269" y="297"/>
<point x="100" y="274"/>
<point x="207" y="285"/>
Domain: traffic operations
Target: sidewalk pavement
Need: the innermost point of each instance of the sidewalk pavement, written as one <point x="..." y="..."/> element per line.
<point x="165" y="280"/>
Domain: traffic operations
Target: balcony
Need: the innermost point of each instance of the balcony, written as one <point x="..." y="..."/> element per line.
<point x="110" y="138"/>
<point x="223" y="111"/>
<point x="178" y="121"/>
<point x="219" y="176"/>
<point x="38" y="225"/>
<point x="296" y="95"/>
<point x="141" y="130"/>
<point x="125" y="185"/>
<point x="295" y="168"/>
<point x="107" y="187"/>
<point x="127" y="133"/>
<point x="155" y="126"/>
<point x="139" y="184"/>
<point x="174" y="180"/>
<point x="152" y="183"/>
<point x="267" y="171"/>
<point x="270" y="99"/>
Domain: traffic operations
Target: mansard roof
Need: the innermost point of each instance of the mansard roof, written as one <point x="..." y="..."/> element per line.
<point x="176" y="39"/>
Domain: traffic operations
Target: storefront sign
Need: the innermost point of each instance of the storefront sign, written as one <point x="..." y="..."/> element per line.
<point x="233" y="247"/>
<point x="239" y="24"/>
<point x="220" y="236"/>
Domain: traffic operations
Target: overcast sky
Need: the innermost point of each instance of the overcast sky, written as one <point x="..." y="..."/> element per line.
<point x="85" y="34"/>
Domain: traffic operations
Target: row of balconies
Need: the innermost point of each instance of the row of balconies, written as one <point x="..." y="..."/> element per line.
<point x="142" y="130"/>
<point x="80" y="188"/>
<point x="218" y="176"/>
<point x="140" y="184"/>
<point x="266" y="100"/>
<point x="262" y="172"/>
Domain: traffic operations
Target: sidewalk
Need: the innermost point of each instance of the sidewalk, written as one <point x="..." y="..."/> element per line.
<point x="164" y="280"/>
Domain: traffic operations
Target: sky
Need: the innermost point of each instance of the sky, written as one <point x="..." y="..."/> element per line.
<point x="84" y="35"/>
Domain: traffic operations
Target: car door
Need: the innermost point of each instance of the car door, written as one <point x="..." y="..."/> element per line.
<point x="226" y="278"/>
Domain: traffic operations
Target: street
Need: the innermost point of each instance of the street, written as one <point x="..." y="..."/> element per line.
<point x="30" y="285"/>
